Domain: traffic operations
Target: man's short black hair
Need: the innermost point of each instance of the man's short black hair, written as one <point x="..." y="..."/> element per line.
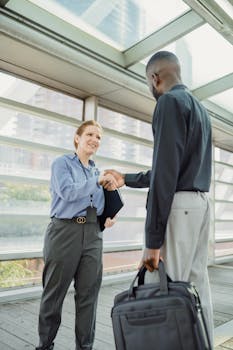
<point x="162" y="55"/>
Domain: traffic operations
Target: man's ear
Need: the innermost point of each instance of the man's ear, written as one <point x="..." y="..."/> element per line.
<point x="155" y="79"/>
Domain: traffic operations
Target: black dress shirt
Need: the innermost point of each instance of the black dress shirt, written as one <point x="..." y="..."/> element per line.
<point x="181" y="158"/>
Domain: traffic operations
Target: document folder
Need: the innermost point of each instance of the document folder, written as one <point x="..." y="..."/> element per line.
<point x="113" y="203"/>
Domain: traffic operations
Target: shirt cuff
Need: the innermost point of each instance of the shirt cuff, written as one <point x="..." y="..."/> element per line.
<point x="129" y="179"/>
<point x="152" y="243"/>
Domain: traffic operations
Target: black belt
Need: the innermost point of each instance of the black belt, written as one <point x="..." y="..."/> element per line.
<point x="80" y="220"/>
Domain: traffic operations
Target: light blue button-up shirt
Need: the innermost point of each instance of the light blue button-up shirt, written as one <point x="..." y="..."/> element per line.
<point x="73" y="186"/>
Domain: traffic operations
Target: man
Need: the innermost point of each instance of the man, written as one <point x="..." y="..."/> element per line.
<point x="178" y="215"/>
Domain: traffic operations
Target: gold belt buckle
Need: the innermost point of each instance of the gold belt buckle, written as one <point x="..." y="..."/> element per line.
<point x="81" y="220"/>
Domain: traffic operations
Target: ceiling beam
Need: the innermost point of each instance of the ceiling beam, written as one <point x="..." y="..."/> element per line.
<point x="33" y="17"/>
<point x="219" y="113"/>
<point x="215" y="87"/>
<point x="171" y="32"/>
<point x="214" y="15"/>
<point x="3" y="3"/>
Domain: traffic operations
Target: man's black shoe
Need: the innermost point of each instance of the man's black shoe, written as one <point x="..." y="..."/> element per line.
<point x="50" y="347"/>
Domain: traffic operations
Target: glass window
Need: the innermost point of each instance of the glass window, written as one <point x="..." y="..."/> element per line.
<point x="221" y="155"/>
<point x="35" y="95"/>
<point x="21" y="162"/>
<point x="223" y="173"/>
<point x="121" y="261"/>
<point x="125" y="124"/>
<point x="24" y="205"/>
<point x="133" y="213"/>
<point x="126" y="233"/>
<point x="22" y="232"/>
<point x="28" y="272"/>
<point x="223" y="211"/>
<point x="195" y="56"/>
<point x="223" y="205"/>
<point x="112" y="147"/>
<point x="223" y="230"/>
<point x="18" y="273"/>
<point x="119" y="23"/>
<point x="223" y="249"/>
<point x="134" y="203"/>
<point x="224" y="100"/>
<point x="223" y="191"/>
<point x="27" y="127"/>
<point x="117" y="148"/>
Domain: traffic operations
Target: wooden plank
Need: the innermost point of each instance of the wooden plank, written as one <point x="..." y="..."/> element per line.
<point x="10" y="340"/>
<point x="18" y="321"/>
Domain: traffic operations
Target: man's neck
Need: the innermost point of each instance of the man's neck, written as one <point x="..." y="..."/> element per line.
<point x="170" y="85"/>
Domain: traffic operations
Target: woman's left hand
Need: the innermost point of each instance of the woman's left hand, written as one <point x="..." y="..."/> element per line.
<point x="110" y="222"/>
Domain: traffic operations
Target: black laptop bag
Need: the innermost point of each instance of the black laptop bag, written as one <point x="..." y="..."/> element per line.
<point x="166" y="316"/>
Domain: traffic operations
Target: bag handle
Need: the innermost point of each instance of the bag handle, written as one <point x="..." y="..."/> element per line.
<point x="163" y="280"/>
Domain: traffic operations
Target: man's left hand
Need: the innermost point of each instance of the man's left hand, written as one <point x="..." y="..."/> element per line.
<point x="150" y="259"/>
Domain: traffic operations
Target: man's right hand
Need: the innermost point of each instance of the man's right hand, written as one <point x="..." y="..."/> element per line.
<point x="119" y="177"/>
<point x="108" y="181"/>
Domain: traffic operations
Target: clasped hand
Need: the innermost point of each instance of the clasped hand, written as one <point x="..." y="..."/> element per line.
<point x="111" y="179"/>
<point x="108" y="181"/>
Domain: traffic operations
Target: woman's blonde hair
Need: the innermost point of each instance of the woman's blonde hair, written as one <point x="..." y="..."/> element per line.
<point x="82" y="127"/>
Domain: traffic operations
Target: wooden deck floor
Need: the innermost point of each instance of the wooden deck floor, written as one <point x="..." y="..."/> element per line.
<point x="18" y="320"/>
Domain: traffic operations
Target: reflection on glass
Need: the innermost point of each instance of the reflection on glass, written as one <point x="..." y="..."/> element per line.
<point x="223" y="211"/>
<point x="25" y="272"/>
<point x="200" y="53"/>
<point x="221" y="155"/>
<point x="118" y="262"/>
<point x="119" y="23"/>
<point x="223" y="173"/>
<point x="28" y="272"/>
<point x="24" y="199"/>
<point x="223" y="230"/>
<point x="224" y="192"/>
<point x="26" y="127"/>
<point x="223" y="249"/>
<point x="22" y="232"/>
<point x="113" y="147"/>
<point x="124" y="233"/>
<point x="123" y="123"/>
<point x="21" y="162"/>
<point x="224" y="100"/>
<point x="35" y="95"/>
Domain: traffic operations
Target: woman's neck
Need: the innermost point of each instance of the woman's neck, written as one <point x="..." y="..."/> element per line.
<point x="83" y="157"/>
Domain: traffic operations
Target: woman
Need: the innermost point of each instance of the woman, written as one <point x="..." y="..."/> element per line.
<point x="73" y="241"/>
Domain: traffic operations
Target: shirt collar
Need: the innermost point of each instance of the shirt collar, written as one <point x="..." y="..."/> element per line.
<point x="74" y="155"/>
<point x="179" y="86"/>
<point x="71" y="156"/>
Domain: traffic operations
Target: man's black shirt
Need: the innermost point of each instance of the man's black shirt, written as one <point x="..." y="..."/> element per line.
<point x="181" y="158"/>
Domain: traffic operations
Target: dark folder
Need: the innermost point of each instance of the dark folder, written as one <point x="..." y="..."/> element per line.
<point x="113" y="203"/>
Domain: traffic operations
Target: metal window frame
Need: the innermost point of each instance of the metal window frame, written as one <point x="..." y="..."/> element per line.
<point x="225" y="258"/>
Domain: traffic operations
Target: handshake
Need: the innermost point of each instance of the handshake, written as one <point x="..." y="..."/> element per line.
<point x="111" y="179"/>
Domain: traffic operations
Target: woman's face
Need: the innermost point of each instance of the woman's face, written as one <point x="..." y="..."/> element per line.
<point x="89" y="141"/>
